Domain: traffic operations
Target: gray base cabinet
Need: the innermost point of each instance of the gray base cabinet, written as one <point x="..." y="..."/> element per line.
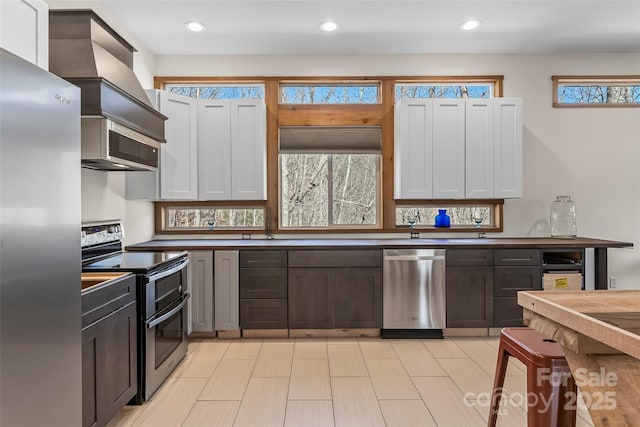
<point x="312" y="298"/>
<point x="226" y="290"/>
<point x="201" y="302"/>
<point x="109" y="352"/>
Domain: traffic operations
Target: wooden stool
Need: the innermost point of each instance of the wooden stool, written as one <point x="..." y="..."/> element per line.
<point x="550" y="385"/>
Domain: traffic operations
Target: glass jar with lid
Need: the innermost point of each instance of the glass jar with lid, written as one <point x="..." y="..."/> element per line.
<point x="563" y="218"/>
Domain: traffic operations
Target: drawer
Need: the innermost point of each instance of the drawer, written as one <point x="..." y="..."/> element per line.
<point x="263" y="314"/>
<point x="507" y="281"/>
<point x="263" y="259"/>
<point x="516" y="257"/>
<point x="263" y="283"/>
<point x="338" y="258"/>
<point x="100" y="301"/>
<point x="469" y="257"/>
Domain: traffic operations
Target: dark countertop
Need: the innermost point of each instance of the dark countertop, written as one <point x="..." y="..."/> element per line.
<point x="490" y="243"/>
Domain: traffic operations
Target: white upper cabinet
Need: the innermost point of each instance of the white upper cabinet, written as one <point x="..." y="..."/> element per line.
<point x="214" y="149"/>
<point x="24" y="30"/>
<point x="179" y="156"/>
<point x="448" y="148"/>
<point x="479" y="149"/>
<point x="507" y="151"/>
<point x="458" y="148"/>
<point x="232" y="153"/>
<point x="413" y="149"/>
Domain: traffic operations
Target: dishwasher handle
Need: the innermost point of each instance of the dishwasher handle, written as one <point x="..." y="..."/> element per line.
<point x="413" y="257"/>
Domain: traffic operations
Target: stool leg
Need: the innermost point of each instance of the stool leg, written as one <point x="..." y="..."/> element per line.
<point x="498" y="383"/>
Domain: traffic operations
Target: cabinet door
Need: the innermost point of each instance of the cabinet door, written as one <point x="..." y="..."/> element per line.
<point x="312" y="298"/>
<point x="120" y="364"/>
<point x="479" y="148"/>
<point x="358" y="297"/>
<point x="178" y="157"/>
<point x="109" y="366"/>
<point x="201" y="305"/>
<point x="448" y="149"/>
<point x="469" y="297"/>
<point x="507" y="155"/>
<point x="214" y="149"/>
<point x="248" y="149"/>
<point x="414" y="149"/>
<point x="226" y="291"/>
<point x="24" y="30"/>
<point x="92" y="358"/>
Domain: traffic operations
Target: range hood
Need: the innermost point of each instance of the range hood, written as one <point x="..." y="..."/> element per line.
<point x="85" y="51"/>
<point x="336" y="139"/>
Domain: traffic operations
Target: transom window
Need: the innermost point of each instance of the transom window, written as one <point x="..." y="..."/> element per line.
<point x="612" y="91"/>
<point x="444" y="90"/>
<point x="329" y="93"/>
<point x="219" y="91"/>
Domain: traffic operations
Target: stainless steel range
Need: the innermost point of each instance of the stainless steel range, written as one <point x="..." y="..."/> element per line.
<point x="161" y="299"/>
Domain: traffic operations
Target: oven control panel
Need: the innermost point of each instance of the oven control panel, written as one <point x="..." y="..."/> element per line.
<point x="101" y="232"/>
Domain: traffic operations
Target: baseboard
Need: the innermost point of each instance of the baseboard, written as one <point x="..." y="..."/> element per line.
<point x="265" y="333"/>
<point x="229" y="334"/>
<point x="334" y="333"/>
<point x="466" y="332"/>
<point x="411" y="334"/>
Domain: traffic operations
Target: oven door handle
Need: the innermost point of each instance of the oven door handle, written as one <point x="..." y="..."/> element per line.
<point x="153" y="322"/>
<point x="169" y="272"/>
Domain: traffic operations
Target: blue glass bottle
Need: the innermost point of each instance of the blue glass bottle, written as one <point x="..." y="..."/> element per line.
<point x="442" y="219"/>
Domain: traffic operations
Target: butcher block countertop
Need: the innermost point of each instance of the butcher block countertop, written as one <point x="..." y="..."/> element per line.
<point x="489" y="243"/>
<point x="599" y="332"/>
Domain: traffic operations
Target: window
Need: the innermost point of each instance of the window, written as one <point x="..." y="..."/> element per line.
<point x="444" y="90"/>
<point x="329" y="190"/>
<point x="212" y="218"/>
<point x="485" y="216"/>
<point x="219" y="91"/>
<point x="612" y="91"/>
<point x="329" y="93"/>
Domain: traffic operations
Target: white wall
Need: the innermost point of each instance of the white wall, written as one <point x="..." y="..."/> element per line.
<point x="590" y="154"/>
<point x="103" y="193"/>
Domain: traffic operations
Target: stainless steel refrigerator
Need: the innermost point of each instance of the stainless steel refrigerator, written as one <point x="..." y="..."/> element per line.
<point x="40" y="341"/>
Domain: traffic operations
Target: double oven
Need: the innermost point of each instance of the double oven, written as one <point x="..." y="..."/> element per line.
<point x="161" y="281"/>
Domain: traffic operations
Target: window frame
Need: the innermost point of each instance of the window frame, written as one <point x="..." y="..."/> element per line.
<point x="496" y="206"/>
<point x="380" y="114"/>
<point x="558" y="81"/>
<point x="331" y="226"/>
<point x="329" y="83"/>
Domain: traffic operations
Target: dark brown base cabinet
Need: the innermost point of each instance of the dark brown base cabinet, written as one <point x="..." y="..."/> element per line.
<point x="109" y="365"/>
<point x="263" y="290"/>
<point x="469" y="297"/>
<point x="327" y="298"/>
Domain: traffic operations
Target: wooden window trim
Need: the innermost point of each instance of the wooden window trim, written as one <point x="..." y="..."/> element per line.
<point x="557" y="80"/>
<point x="381" y="114"/>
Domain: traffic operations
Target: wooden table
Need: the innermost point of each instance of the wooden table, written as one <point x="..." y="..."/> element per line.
<point x="600" y="334"/>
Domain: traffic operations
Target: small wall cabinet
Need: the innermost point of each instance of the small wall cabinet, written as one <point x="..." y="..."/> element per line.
<point x="24" y="30"/>
<point x="458" y="148"/>
<point x="201" y="302"/>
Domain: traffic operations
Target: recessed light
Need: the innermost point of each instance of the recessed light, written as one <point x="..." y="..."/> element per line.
<point x="195" y="26"/>
<point x="329" y="26"/>
<point x="470" y="25"/>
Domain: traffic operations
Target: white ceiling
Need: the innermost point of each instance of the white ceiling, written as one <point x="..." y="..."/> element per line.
<point x="291" y="27"/>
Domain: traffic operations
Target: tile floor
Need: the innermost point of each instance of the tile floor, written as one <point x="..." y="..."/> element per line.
<point x="334" y="382"/>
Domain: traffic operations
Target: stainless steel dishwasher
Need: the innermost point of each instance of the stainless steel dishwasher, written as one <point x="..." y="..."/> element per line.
<point x="414" y="293"/>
